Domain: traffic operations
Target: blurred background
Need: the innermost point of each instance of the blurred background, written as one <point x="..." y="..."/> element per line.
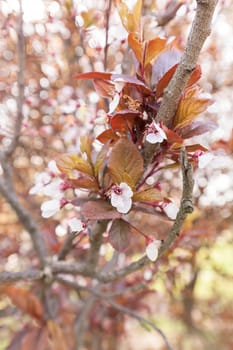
<point x="191" y="295"/>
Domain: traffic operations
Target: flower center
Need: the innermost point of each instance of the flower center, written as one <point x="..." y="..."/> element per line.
<point x="117" y="190"/>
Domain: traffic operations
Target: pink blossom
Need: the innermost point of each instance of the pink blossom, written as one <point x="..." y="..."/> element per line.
<point x="155" y="133"/>
<point x="121" y="197"/>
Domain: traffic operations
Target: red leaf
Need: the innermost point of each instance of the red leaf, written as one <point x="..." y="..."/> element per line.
<point x="125" y="162"/>
<point x="94" y="75"/>
<point x="104" y="87"/>
<point x="123" y="120"/>
<point x="119" y="235"/>
<point x="26" y="301"/>
<point x="165" y="61"/>
<point x="99" y="210"/>
<point x="197" y="128"/>
<point x="108" y="135"/>
<point x="136" y="46"/>
<point x="191" y="104"/>
<point x="153" y="48"/>
<point x="165" y="80"/>
<point x="172" y="136"/>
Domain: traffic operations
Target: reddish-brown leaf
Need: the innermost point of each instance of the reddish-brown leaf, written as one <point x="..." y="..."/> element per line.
<point x="57" y="336"/>
<point x="191" y="104"/>
<point x="123" y="120"/>
<point x="94" y="75"/>
<point x="136" y="46"/>
<point x="99" y="210"/>
<point x="172" y="136"/>
<point x="85" y="182"/>
<point x="26" y="301"/>
<point x="119" y="235"/>
<point x="153" y="48"/>
<point x="148" y="195"/>
<point x="37" y="339"/>
<point x="164" y="81"/>
<point x="125" y="159"/>
<point x="197" y="128"/>
<point x="108" y="135"/>
<point x="104" y="88"/>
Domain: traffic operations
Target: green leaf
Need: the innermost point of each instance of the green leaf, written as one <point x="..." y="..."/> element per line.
<point x="119" y="235"/>
<point x="125" y="161"/>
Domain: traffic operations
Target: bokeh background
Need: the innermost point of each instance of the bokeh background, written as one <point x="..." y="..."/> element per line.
<point x="191" y="295"/>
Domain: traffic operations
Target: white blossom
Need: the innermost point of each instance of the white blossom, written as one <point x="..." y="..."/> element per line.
<point x="52" y="166"/>
<point x="75" y="225"/>
<point x="121" y="197"/>
<point x="53" y="189"/>
<point x="152" y="249"/>
<point x="171" y="210"/>
<point x="205" y="159"/>
<point x="42" y="179"/>
<point x="50" y="208"/>
<point x="155" y="134"/>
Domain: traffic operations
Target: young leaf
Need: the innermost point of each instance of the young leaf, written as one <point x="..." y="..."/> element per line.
<point x="197" y="128"/>
<point x="104" y="87"/>
<point x="164" y="81"/>
<point x="130" y="18"/>
<point x="119" y="235"/>
<point x="153" y="48"/>
<point x="99" y="210"/>
<point x="86" y="146"/>
<point x="125" y="158"/>
<point x="85" y="182"/>
<point x="57" y="336"/>
<point x="94" y="75"/>
<point x="136" y="46"/>
<point x="25" y="300"/>
<point x="108" y="135"/>
<point x="190" y="105"/>
<point x="123" y="120"/>
<point x="148" y="195"/>
<point x="101" y="159"/>
<point x="68" y="163"/>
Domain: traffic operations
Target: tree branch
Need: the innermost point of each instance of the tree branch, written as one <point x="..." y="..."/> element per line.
<point x="106" y="34"/>
<point x="8" y="192"/>
<point x="200" y="30"/>
<point x="29" y="275"/>
<point x="20" y="98"/>
<point x="186" y="207"/>
<point x="141" y="319"/>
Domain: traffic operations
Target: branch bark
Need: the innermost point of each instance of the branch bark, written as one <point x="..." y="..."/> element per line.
<point x="200" y="30"/>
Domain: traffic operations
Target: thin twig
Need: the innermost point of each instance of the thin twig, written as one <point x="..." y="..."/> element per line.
<point x="20" y="81"/>
<point x="107" y="34"/>
<point x="141" y="319"/>
<point x="106" y="297"/>
<point x="67" y="246"/>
